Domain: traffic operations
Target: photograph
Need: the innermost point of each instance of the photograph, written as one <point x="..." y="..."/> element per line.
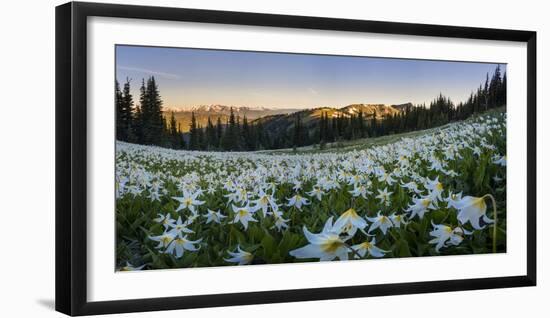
<point x="230" y="157"/>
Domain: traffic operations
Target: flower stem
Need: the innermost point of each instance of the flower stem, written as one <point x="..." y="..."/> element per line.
<point x="353" y="251"/>
<point x="495" y="220"/>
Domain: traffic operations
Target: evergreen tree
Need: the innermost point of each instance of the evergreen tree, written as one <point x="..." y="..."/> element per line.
<point x="247" y="135"/>
<point x="201" y="138"/>
<point x="211" y="142"/>
<point x="322" y="130"/>
<point x="230" y="139"/>
<point x="193" y="133"/>
<point x="373" y="125"/>
<point x="361" y="124"/>
<point x="502" y="92"/>
<point x="119" y="112"/>
<point x="128" y="111"/>
<point x="174" y="133"/>
<point x="219" y="132"/>
<point x="495" y="88"/>
<point x="297" y="135"/>
<point x="157" y="119"/>
<point x="181" y="144"/>
<point x="486" y="92"/>
<point x="151" y="113"/>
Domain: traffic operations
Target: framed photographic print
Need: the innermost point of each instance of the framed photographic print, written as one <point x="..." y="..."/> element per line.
<point x="209" y="158"/>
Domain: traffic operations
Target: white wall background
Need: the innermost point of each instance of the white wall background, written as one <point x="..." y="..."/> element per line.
<point x="27" y="157"/>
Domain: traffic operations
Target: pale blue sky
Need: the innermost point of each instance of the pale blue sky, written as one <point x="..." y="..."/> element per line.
<point x="190" y="77"/>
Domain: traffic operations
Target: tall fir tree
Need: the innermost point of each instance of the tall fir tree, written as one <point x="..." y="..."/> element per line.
<point x="211" y="142"/>
<point x="119" y="112"/>
<point x="193" y="133"/>
<point x="219" y="132"/>
<point x="128" y="111"/>
<point x="297" y="134"/>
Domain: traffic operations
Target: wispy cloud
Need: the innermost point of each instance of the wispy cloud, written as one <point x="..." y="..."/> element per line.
<point x="149" y="72"/>
<point x="313" y="91"/>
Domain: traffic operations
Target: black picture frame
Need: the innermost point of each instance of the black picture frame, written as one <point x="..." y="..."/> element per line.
<point x="71" y="157"/>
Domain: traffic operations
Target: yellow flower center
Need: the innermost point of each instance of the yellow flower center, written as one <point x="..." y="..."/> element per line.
<point x="248" y="257"/>
<point x="351" y="213"/>
<point x="426" y="202"/>
<point x="180" y="241"/>
<point x="264" y="200"/>
<point x="243" y="212"/>
<point x="332" y="245"/>
<point x="188" y="202"/>
<point x="479" y="203"/>
<point x="439" y="186"/>
<point x="366" y="245"/>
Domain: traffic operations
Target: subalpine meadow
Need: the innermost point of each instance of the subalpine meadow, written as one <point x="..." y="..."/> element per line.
<point x="243" y="186"/>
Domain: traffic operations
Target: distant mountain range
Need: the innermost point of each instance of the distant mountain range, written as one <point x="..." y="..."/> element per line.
<point x="202" y="112"/>
<point x="277" y="118"/>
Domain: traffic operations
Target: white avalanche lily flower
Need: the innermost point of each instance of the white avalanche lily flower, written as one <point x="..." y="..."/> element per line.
<point x="435" y="187"/>
<point x="472" y="209"/>
<point x="420" y="206"/>
<point x="445" y="236"/>
<point x="326" y="245"/>
<point x="215" y="217"/>
<point x="243" y="215"/>
<point x="380" y="221"/>
<point x="188" y="201"/>
<point x="241" y="257"/>
<point x="397" y="219"/>
<point x="263" y="202"/>
<point x="129" y="267"/>
<point x="280" y="222"/>
<point x="164" y="239"/>
<point x="384" y="196"/>
<point x="501" y="161"/>
<point x="349" y="222"/>
<point x="453" y="199"/>
<point x="317" y="193"/>
<point x="297" y="201"/>
<point x="386" y="177"/>
<point x="154" y="195"/>
<point x="369" y="247"/>
<point x="181" y="244"/>
<point x="179" y="228"/>
<point x="355" y="180"/>
<point x="411" y="186"/>
<point x="360" y="191"/>
<point x="165" y="220"/>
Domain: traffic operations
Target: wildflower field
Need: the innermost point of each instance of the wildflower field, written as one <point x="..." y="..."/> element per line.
<point x="439" y="192"/>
